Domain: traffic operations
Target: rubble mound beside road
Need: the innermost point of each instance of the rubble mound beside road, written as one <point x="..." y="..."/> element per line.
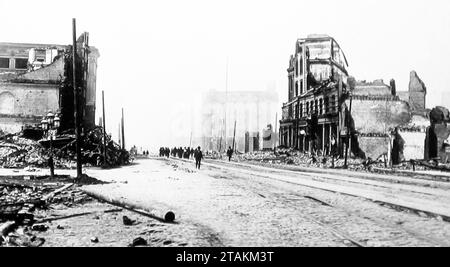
<point x="290" y="157"/>
<point x="19" y="152"/>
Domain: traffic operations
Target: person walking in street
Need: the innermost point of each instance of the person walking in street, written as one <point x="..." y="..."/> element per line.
<point x="229" y="153"/>
<point x="333" y="149"/>
<point x="198" y="155"/>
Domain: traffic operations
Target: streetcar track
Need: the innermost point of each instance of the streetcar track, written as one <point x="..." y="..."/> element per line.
<point x="350" y="180"/>
<point x="406" y="180"/>
<point x="347" y="239"/>
<point x="267" y="176"/>
<point x="346" y="236"/>
<point x="383" y="223"/>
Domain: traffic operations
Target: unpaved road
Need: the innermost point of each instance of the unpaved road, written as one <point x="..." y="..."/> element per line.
<point x="227" y="205"/>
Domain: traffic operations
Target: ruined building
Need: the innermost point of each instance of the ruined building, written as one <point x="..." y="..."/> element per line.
<point x="37" y="78"/>
<point x="325" y="105"/>
<point x="317" y="78"/>
<point x="382" y="124"/>
<point x="251" y="110"/>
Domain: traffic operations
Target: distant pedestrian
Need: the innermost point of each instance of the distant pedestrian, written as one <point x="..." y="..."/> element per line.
<point x="334" y="149"/>
<point x="198" y="155"/>
<point x="230" y="153"/>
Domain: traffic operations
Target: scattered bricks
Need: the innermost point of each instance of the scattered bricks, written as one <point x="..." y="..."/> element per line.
<point x="137" y="242"/>
<point x="6" y="228"/>
<point x="94" y="240"/>
<point x="25" y="240"/>
<point x="39" y="227"/>
<point x="127" y="221"/>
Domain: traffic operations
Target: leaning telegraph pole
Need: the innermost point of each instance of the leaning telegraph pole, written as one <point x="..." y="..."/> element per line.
<point x="76" y="100"/>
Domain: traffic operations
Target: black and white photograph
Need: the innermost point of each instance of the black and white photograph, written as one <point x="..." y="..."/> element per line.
<point x="242" y="126"/>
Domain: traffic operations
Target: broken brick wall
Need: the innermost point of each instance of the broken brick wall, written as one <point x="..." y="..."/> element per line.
<point x="437" y="136"/>
<point x="372" y="119"/>
<point x="414" y="144"/>
<point x="24" y="103"/>
<point x="51" y="73"/>
<point x="417" y="92"/>
<point x="378" y="115"/>
<point x="373" y="146"/>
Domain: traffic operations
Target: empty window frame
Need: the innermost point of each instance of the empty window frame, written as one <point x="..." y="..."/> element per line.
<point x="320" y="106"/>
<point x="21" y="63"/>
<point x="326" y="104"/>
<point x="4" y="63"/>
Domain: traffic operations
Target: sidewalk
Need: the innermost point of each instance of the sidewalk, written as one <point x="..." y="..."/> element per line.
<point x="430" y="175"/>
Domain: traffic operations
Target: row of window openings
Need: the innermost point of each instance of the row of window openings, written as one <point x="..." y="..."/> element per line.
<point x="297" y="88"/>
<point x="20" y="63"/>
<point x="299" y="70"/>
<point x="314" y="107"/>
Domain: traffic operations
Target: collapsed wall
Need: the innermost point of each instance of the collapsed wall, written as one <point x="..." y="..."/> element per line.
<point x="438" y="135"/>
<point x="372" y="118"/>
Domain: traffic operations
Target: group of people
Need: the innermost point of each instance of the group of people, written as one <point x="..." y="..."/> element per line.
<point x="164" y="152"/>
<point x="183" y="153"/>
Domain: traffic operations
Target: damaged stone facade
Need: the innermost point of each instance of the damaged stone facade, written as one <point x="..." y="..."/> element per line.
<point x="386" y="123"/>
<point x="35" y="79"/>
<point x="317" y="78"/>
<point x="438" y="135"/>
<point x="326" y="104"/>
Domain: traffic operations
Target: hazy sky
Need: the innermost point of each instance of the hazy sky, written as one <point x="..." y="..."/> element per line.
<point x="157" y="56"/>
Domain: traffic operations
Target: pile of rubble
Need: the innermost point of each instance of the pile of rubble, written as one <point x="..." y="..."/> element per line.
<point x="290" y="157"/>
<point x="296" y="158"/>
<point x="22" y="204"/>
<point x="19" y="152"/>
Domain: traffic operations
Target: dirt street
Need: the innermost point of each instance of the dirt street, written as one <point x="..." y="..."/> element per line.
<point x="246" y="206"/>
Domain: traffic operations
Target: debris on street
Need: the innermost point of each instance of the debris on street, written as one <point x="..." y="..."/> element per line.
<point x="23" y="203"/>
<point x="291" y="157"/>
<point x="19" y="152"/>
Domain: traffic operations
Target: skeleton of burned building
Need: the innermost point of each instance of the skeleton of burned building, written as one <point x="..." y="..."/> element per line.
<point x="384" y="125"/>
<point x="37" y="78"/>
<point x="373" y="119"/>
<point x="317" y="79"/>
<point x="250" y="110"/>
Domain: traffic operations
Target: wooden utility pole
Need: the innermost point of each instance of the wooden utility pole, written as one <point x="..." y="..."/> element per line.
<point x="347" y="143"/>
<point x="234" y="136"/>
<point x="76" y="100"/>
<point x="226" y="104"/>
<point x="119" y="135"/>
<point x="275" y="130"/>
<point x="123" y="131"/>
<point x="105" y="160"/>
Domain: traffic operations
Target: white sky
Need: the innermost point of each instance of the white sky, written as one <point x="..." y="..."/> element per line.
<point x="156" y="56"/>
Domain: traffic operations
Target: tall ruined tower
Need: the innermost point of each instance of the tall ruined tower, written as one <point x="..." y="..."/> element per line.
<point x="417" y="92"/>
